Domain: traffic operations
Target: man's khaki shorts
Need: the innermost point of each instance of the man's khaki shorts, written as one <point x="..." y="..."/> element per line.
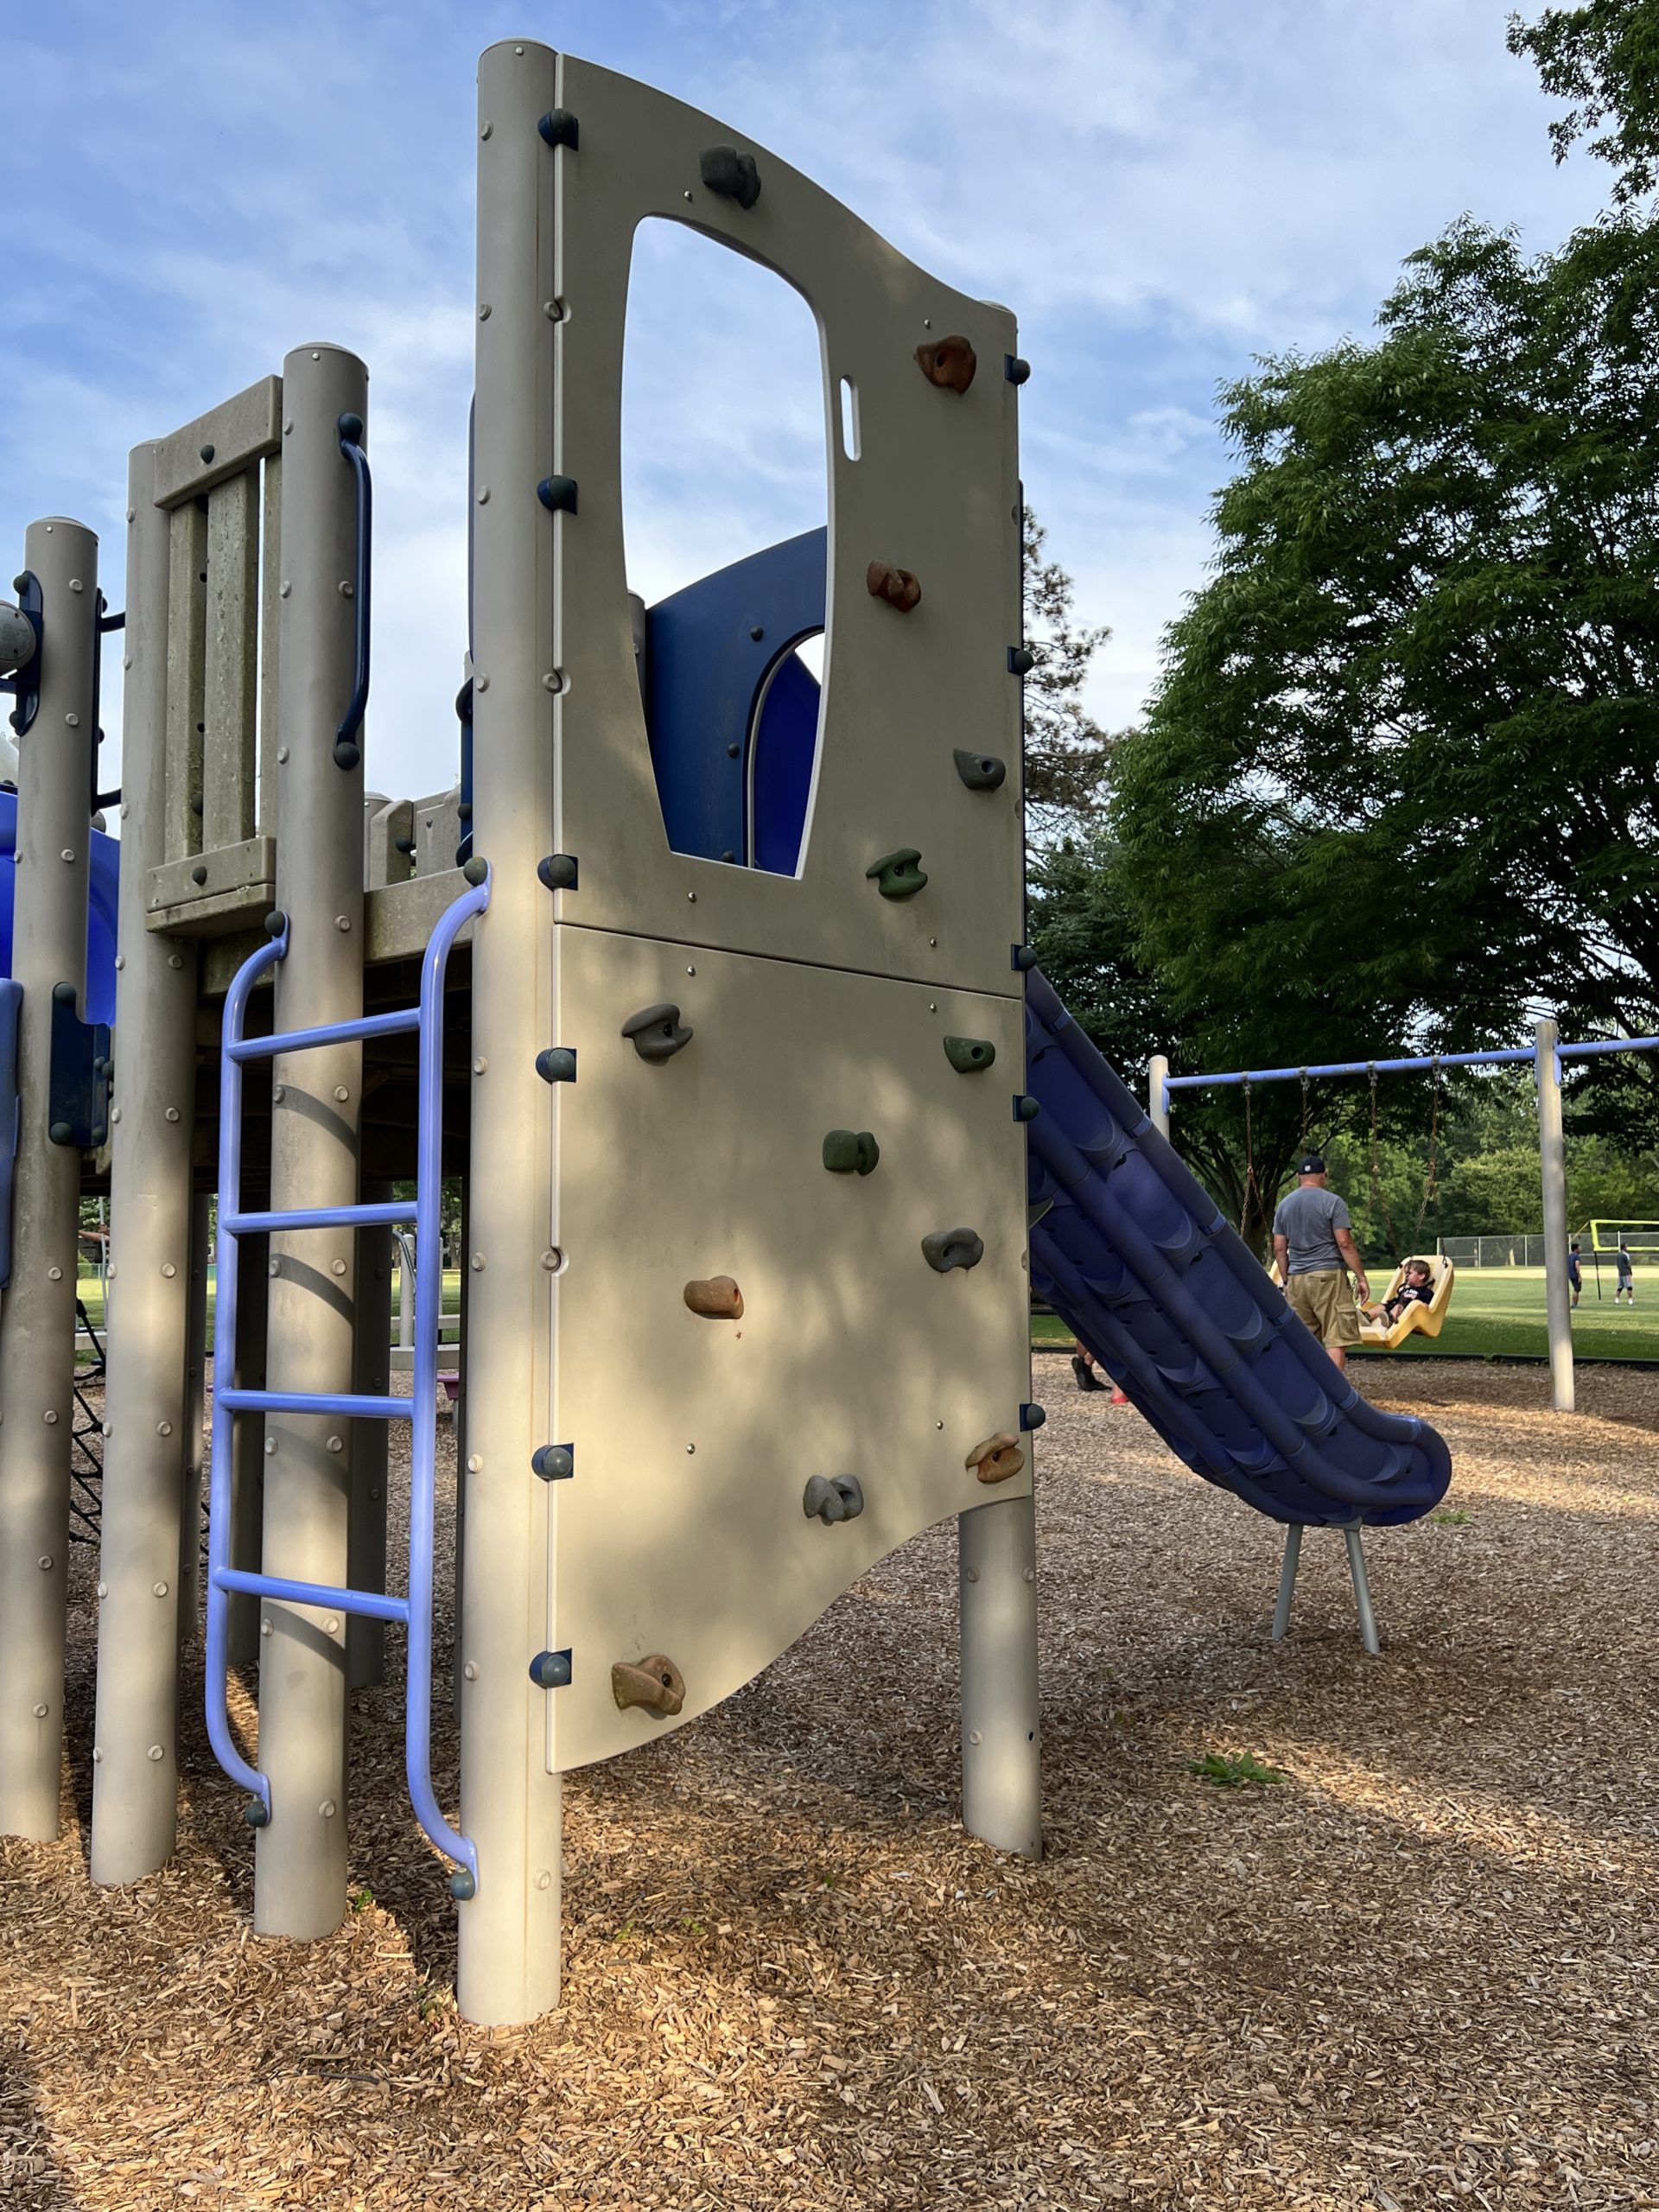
<point x="1324" y="1299"/>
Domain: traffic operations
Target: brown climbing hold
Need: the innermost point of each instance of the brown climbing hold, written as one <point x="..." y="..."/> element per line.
<point x="654" y="1682"/>
<point x="948" y="362"/>
<point x="897" y="586"/>
<point x="996" y="1458"/>
<point x="719" y="1298"/>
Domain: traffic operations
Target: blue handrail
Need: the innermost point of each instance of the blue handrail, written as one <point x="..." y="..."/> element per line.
<point x="1511" y="1056"/>
<point x="347" y="749"/>
<point x="415" y="1610"/>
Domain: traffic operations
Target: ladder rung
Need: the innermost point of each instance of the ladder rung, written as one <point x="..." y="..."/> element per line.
<point x="370" y="1604"/>
<point x="353" y="1217"/>
<point x="346" y="1405"/>
<point x="327" y="1033"/>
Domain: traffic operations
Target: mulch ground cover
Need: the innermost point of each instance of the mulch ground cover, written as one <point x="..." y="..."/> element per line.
<point x="1421" y="1967"/>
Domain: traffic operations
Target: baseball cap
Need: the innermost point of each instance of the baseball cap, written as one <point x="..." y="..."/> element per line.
<point x="1310" y="1164"/>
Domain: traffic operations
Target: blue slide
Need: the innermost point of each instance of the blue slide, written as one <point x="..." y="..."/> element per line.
<point x="1131" y="1252"/>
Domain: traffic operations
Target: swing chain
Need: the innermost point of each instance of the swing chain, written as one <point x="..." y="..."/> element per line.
<point x="1379" y="1202"/>
<point x="1251" y="1190"/>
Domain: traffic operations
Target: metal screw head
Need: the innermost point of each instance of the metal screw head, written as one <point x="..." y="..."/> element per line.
<point x="103" y="1589"/>
<point x="340" y="923"/>
<point x="284" y="590"/>
<point x="690" y="1450"/>
<point x="55" y="1275"/>
<point x="159" y="1589"/>
<point x="169" y="1270"/>
<point x="51" y="1419"/>
<point x="341" y="1093"/>
<point x="543" y="1879"/>
<point x="156" y="1752"/>
<point x="270" y="1445"/>
<point x="163" y="1428"/>
<point x="278" y="1094"/>
<point x="974" y="1736"/>
<point x="475" y="1463"/>
<point x="44" y="1562"/>
<point x="470" y="1670"/>
<point x="326" y="1808"/>
<point x="338" y="1267"/>
<point x="265" y="1628"/>
<point x="478" y="1263"/>
<point x="172" y="1113"/>
<point x="40" y="1712"/>
<point x="336" y="1444"/>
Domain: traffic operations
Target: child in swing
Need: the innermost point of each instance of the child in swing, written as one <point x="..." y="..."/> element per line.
<point x="1417" y="1289"/>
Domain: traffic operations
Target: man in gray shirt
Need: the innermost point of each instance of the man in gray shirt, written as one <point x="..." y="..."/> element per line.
<point x="1313" y="1243"/>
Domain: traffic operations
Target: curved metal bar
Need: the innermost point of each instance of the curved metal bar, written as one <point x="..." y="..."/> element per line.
<point x="348" y="736"/>
<point x="429" y="1305"/>
<point x="216" y="1670"/>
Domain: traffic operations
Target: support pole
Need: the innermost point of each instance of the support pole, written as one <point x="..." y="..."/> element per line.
<point x="299" y="1858"/>
<point x="509" y="1962"/>
<point x="135" y="1775"/>
<point x="365" y="1639"/>
<point x="406" y="1294"/>
<point x="248" y="1449"/>
<point x="1552" y="1156"/>
<point x="1287" y="1581"/>
<point x="1157" y="1092"/>
<point x="1001" y="1771"/>
<point x="192" y="1454"/>
<point x="37" y="1323"/>
<point x="1352" y="1537"/>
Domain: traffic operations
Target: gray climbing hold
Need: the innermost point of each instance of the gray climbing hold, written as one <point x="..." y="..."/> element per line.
<point x="656" y="1031"/>
<point x="969" y="1055"/>
<point x="850" y="1152"/>
<point x="981" y="771"/>
<point x="732" y="174"/>
<point x="953" y="1248"/>
<point x="831" y="1499"/>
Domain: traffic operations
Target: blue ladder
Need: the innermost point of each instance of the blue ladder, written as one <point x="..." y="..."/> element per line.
<point x="414" y="1612"/>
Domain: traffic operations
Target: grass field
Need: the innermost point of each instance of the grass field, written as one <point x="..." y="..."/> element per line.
<point x="1502" y="1310"/>
<point x="90" y="1292"/>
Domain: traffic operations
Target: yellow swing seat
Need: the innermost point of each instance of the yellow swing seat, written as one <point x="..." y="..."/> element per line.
<point x="1418" y="1319"/>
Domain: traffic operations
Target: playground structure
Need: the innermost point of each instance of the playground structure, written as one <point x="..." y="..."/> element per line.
<point x="1547" y="1058"/>
<point x="712" y="988"/>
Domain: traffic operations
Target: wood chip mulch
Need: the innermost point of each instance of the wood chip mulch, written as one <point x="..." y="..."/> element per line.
<point x="1421" y="1969"/>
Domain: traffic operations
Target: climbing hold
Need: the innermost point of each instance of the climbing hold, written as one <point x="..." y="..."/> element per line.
<point x="554" y="1463"/>
<point x="897" y="875"/>
<point x="550" y="1670"/>
<point x="476" y="871"/>
<point x="558" y="871"/>
<point x="462" y="1887"/>
<point x="831" y="1499"/>
<point x="1021" y="958"/>
<point x="717" y="1299"/>
<point x="560" y="128"/>
<point x="849" y="1152"/>
<point x="1014" y="368"/>
<point x="657" y="1032"/>
<point x="655" y="1682"/>
<point x="256" y="1814"/>
<point x="948" y="362"/>
<point x="897" y="586"/>
<point x="732" y="174"/>
<point x="969" y="1055"/>
<point x="1026" y="1108"/>
<point x="557" y="494"/>
<point x="1021" y="660"/>
<point x="558" y="1063"/>
<point x="981" y="771"/>
<point x="1032" y="1416"/>
<point x="996" y="1458"/>
<point x="952" y="1248"/>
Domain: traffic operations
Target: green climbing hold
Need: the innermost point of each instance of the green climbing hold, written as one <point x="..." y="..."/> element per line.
<point x="898" y="875"/>
<point x="850" y="1152"/>
<point x="969" y="1055"/>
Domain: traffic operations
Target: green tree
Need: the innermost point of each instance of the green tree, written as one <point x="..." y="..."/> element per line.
<point x="1405" y="755"/>
<point x="1604" y="58"/>
<point x="1067" y="750"/>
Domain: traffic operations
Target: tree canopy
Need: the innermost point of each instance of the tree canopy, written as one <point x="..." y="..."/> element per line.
<point x="1603" y="57"/>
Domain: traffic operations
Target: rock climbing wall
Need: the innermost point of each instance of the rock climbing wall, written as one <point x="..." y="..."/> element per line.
<point x="789" y="1305"/>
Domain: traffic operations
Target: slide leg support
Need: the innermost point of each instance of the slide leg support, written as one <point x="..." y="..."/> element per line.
<point x="1001" y="1774"/>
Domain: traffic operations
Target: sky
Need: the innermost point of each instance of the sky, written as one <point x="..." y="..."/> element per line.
<point x="1162" y="192"/>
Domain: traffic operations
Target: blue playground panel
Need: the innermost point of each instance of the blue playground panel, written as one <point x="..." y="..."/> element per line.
<point x="1131" y="1252"/>
<point x="101" y="914"/>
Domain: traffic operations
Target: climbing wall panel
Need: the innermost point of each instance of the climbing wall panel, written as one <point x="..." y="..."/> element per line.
<point x="932" y="492"/>
<point x="681" y="1530"/>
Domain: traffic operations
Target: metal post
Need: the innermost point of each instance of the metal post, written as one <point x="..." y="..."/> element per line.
<point x="405" y="1292"/>
<point x="135" y="1775"/>
<point x="1001" y="1763"/>
<point x="1287" y="1581"/>
<point x="37" y="1325"/>
<point x="1551" y="1156"/>
<point x="299" y="1856"/>
<point x="192" y="1453"/>
<point x="248" y="1449"/>
<point x="1351" y="1536"/>
<point x="509" y="1961"/>
<point x="365" y="1637"/>
<point x="1157" y="1092"/>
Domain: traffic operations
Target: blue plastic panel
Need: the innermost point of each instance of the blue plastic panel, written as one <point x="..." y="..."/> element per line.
<point x="101" y="911"/>
<point x="709" y="650"/>
<point x="11" y="1000"/>
<point x="1131" y="1252"/>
